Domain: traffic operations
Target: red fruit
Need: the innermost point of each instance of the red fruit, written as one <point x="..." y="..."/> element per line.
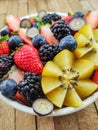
<point x="12" y="22"/>
<point x="4" y="48"/>
<point x="95" y="76"/>
<point x="20" y="98"/>
<point x="67" y="18"/>
<point x="92" y="18"/>
<point x="16" y="74"/>
<point x="46" y="32"/>
<point x="32" y="20"/>
<point x="27" y="58"/>
<point x="25" y="38"/>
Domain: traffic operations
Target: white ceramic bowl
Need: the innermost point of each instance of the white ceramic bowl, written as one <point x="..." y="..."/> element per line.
<point x="56" y="112"/>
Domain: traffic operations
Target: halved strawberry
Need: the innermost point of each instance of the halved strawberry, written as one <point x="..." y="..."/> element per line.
<point x="19" y="97"/>
<point x="67" y="18"/>
<point x="12" y="22"/>
<point x="27" y="58"/>
<point x="4" y="48"/>
<point x="92" y="18"/>
<point x="32" y="20"/>
<point x="95" y="76"/>
<point x="25" y="38"/>
<point x="16" y="74"/>
<point x="46" y="32"/>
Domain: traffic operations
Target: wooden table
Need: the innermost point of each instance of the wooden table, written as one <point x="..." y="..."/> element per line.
<point x="12" y="119"/>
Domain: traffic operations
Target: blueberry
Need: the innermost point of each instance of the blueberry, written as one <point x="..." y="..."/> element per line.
<point x="68" y="42"/>
<point x="79" y="14"/>
<point x="8" y="88"/>
<point x="14" y="42"/>
<point x="38" y="41"/>
<point x="5" y="32"/>
<point x="36" y="24"/>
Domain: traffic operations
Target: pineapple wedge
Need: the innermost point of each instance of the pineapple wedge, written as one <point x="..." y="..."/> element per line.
<point x="68" y="83"/>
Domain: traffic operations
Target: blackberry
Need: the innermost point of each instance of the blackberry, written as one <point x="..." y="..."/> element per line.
<point x="48" y="51"/>
<point x="60" y="29"/>
<point x="6" y="62"/>
<point x="48" y="18"/>
<point x="30" y="87"/>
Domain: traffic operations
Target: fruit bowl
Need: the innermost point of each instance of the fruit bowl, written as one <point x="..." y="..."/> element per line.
<point x="56" y="112"/>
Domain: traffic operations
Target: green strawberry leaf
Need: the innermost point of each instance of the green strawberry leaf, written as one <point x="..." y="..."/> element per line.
<point x="4" y="38"/>
<point x="69" y="14"/>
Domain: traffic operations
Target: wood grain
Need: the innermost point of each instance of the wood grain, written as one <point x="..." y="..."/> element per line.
<point x="87" y="119"/>
<point x="25" y="121"/>
<point x="45" y="123"/>
<point x="12" y="119"/>
<point x="7" y="117"/>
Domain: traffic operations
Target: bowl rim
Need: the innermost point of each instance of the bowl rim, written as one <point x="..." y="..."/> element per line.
<point x="56" y="112"/>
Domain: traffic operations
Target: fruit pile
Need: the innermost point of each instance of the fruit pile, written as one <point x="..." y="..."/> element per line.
<point x="49" y="60"/>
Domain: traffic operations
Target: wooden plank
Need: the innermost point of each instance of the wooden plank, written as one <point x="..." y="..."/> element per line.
<point x="87" y="6"/>
<point x="22" y="9"/>
<point x="59" y="6"/>
<point x="25" y="121"/>
<point x="87" y="119"/>
<point x="32" y="6"/>
<point x="67" y="122"/>
<point x="3" y="6"/>
<point x="7" y="117"/>
<point x="2" y="20"/>
<point x="94" y="4"/>
<point x="45" y="123"/>
<point x="75" y="5"/>
<point x="22" y="1"/>
<point x="41" y="5"/>
<point x="96" y="105"/>
<point x="12" y="7"/>
<point x="7" y="113"/>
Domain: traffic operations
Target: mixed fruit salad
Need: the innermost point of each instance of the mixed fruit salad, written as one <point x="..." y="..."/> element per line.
<point x="49" y="60"/>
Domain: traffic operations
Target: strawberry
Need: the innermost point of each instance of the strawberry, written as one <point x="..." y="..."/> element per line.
<point x="95" y="76"/>
<point x="32" y="20"/>
<point x="22" y="34"/>
<point x="67" y="18"/>
<point x="12" y="22"/>
<point x="27" y="58"/>
<point x="92" y="18"/>
<point x="46" y="32"/>
<point x="4" y="48"/>
<point x="20" y="98"/>
<point x="14" y="72"/>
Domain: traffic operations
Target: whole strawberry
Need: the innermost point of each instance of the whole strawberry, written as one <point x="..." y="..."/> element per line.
<point x="4" y="48"/>
<point x="27" y="58"/>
